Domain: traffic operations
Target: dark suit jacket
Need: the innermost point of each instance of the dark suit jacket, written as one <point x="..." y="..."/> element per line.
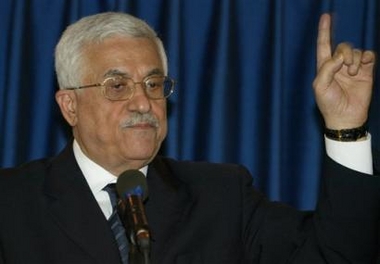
<point x="197" y="212"/>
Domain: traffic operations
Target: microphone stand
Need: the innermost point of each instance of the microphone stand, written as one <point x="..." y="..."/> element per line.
<point x="138" y="236"/>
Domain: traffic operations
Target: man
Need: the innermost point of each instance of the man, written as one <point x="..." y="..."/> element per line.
<point x="112" y="69"/>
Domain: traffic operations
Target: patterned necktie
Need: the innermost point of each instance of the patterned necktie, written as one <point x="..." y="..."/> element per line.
<point x="116" y="224"/>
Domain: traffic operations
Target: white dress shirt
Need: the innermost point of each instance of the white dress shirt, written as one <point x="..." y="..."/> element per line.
<point x="356" y="155"/>
<point x="97" y="178"/>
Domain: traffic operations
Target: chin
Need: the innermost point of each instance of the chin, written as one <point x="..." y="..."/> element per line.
<point x="140" y="155"/>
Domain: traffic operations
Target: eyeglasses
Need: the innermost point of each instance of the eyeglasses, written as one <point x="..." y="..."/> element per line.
<point x="119" y="88"/>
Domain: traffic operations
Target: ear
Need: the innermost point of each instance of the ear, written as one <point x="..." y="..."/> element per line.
<point x="67" y="101"/>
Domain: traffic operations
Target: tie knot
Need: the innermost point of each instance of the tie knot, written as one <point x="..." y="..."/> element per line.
<point x="111" y="189"/>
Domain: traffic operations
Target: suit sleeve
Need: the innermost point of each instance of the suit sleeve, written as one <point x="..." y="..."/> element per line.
<point x="1" y="257"/>
<point x="344" y="227"/>
<point x="346" y="220"/>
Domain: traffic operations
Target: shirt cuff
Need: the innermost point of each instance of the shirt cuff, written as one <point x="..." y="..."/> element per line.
<point x="355" y="155"/>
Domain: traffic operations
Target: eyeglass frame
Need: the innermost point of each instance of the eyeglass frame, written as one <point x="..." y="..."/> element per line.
<point x="143" y="83"/>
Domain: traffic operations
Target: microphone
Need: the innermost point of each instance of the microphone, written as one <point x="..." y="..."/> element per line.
<point x="132" y="189"/>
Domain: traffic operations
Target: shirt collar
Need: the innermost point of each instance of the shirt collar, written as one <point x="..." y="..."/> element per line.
<point x="96" y="176"/>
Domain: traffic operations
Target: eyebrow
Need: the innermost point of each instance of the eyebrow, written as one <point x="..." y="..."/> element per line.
<point x="115" y="72"/>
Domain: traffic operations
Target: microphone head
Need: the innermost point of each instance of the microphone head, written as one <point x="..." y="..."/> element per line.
<point x="132" y="182"/>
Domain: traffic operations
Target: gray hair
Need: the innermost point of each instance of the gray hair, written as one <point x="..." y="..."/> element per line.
<point x="94" y="29"/>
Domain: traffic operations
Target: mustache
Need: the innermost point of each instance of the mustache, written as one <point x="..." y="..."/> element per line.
<point x="138" y="118"/>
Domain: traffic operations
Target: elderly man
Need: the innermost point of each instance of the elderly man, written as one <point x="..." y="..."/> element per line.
<point x="112" y="73"/>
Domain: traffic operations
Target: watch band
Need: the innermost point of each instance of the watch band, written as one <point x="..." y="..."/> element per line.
<point x="351" y="134"/>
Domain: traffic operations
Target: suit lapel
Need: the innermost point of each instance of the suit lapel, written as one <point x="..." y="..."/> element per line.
<point x="76" y="211"/>
<point x="167" y="206"/>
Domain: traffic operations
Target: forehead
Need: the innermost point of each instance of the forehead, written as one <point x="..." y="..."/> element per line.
<point x="128" y="55"/>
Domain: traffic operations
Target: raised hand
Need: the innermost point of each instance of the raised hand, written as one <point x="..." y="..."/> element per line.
<point x="344" y="82"/>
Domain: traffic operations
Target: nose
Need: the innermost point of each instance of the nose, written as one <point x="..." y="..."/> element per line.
<point x="139" y="102"/>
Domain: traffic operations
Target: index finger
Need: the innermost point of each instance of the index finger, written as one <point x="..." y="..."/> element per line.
<point x="324" y="40"/>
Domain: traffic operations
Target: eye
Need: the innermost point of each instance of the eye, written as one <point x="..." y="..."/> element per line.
<point x="117" y="88"/>
<point x="117" y="84"/>
<point x="154" y="83"/>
